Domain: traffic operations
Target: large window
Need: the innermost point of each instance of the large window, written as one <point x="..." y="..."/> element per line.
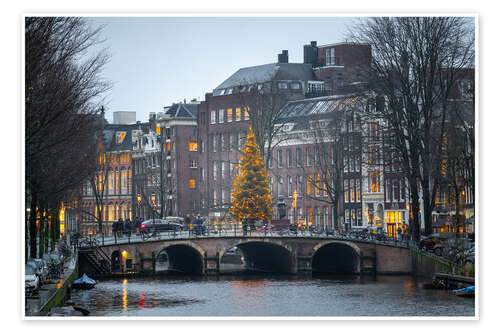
<point x="309" y="156"/>
<point x="280" y="158"/>
<point x="330" y="57"/>
<point x="288" y="158"/>
<point x="358" y="190"/>
<point x="214" y="143"/>
<point x="192" y="183"/>
<point x="290" y="186"/>
<point x="247" y="115"/>
<point x="222" y="169"/>
<point x="280" y="185"/>
<point x="193" y="164"/>
<point x="193" y="146"/>
<point x="374" y="181"/>
<point x="213" y="116"/>
<point x="221" y="116"/>
<point x="229" y="115"/>
<point x="346" y="190"/>
<point x="298" y="157"/>
<point x="238" y="114"/>
<point x="214" y="168"/>
<point x="222" y="143"/>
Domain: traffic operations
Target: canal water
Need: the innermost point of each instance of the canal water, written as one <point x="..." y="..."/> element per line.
<point x="270" y="296"/>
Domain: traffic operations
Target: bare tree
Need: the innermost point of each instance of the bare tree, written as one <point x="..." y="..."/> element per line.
<point x="62" y="85"/>
<point x="415" y="64"/>
<point x="263" y="106"/>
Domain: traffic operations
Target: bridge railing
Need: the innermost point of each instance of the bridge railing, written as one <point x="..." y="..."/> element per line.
<point x="238" y="231"/>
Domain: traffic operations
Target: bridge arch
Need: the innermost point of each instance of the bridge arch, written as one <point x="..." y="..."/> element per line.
<point x="336" y="257"/>
<point x="183" y="257"/>
<point x="263" y="255"/>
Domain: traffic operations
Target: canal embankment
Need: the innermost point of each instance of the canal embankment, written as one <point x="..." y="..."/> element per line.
<point x="52" y="295"/>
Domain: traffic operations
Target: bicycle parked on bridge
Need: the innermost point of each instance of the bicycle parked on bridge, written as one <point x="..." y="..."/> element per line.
<point x="147" y="234"/>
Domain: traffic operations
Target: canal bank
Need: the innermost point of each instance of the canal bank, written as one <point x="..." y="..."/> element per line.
<point x="52" y="295"/>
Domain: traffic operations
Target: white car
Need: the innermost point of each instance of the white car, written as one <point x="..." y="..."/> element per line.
<point x="31" y="281"/>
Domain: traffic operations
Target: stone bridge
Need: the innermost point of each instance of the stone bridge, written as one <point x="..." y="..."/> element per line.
<point x="270" y="254"/>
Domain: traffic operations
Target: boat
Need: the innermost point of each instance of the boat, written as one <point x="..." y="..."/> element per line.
<point x="465" y="292"/>
<point x="84" y="282"/>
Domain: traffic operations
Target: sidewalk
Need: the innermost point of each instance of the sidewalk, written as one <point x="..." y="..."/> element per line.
<point x="39" y="305"/>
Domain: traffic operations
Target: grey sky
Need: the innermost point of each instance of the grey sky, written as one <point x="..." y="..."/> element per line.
<point x="157" y="61"/>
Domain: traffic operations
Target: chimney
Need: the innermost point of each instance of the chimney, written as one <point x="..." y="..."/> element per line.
<point x="283" y="57"/>
<point x="311" y="54"/>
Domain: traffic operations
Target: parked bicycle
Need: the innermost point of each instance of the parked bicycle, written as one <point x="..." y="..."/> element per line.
<point x="147" y="234"/>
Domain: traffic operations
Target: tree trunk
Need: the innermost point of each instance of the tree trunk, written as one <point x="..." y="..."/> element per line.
<point x="32" y="227"/>
<point x="428" y="205"/>
<point x="41" y="235"/>
<point x="414" y="221"/>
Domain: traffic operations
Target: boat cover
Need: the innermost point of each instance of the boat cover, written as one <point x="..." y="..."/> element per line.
<point x="84" y="280"/>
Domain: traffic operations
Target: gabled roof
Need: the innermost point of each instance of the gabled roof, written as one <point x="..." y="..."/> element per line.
<point x="116" y="142"/>
<point x="269" y="72"/>
<point x="183" y="111"/>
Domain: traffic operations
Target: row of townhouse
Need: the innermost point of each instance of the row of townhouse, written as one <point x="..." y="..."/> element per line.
<point x="182" y="162"/>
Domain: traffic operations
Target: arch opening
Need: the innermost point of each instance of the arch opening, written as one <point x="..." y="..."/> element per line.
<point x="179" y="259"/>
<point x="335" y="258"/>
<point x="265" y="257"/>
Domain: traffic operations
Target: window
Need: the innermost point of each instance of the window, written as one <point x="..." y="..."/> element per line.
<point x="330" y="57"/>
<point x="402" y="190"/>
<point x="247" y="115"/>
<point x="289" y="158"/>
<point x="271" y="185"/>
<point x="374" y="181"/>
<point x="193" y="164"/>
<point x="238" y="114"/>
<point x="214" y="168"/>
<point x="295" y="85"/>
<point x="351" y="189"/>
<point x="309" y="184"/>
<point x="192" y="183"/>
<point x="282" y="85"/>
<point x="214" y="143"/>
<point x="221" y="116"/>
<point x="202" y="173"/>
<point x="231" y="142"/>
<point x="222" y="196"/>
<point x="222" y="169"/>
<point x="357" y="162"/>
<point x="290" y="186"/>
<point x="202" y="143"/>
<point x="298" y="157"/>
<point x="318" y="185"/>
<point x="353" y="216"/>
<point x="213" y="116"/>
<point x="280" y="185"/>
<point x="280" y="158"/>
<point x="240" y="138"/>
<point x="346" y="190"/>
<point x="215" y="197"/>
<point x="316" y="156"/>
<point x="358" y="190"/>
<point x="193" y="146"/>
<point x="300" y="187"/>
<point x="308" y="156"/>
<point x="346" y="164"/>
<point x="347" y="217"/>
<point x="222" y="143"/>
<point x="229" y="115"/>
<point x="359" y="217"/>
<point x="395" y="189"/>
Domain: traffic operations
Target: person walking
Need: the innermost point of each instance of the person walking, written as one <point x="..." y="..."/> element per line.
<point x="114" y="228"/>
<point x="128" y="227"/>
<point x="120" y="227"/>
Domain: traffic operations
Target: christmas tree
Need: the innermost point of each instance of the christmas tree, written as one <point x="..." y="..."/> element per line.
<point x="251" y="197"/>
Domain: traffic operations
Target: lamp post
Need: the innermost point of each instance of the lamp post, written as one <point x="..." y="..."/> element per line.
<point x="139" y="199"/>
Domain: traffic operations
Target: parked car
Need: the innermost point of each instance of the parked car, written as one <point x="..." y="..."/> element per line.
<point x="31" y="281"/>
<point x="41" y="269"/>
<point x="160" y="225"/>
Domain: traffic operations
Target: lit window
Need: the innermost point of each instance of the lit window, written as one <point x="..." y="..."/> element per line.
<point x="238" y="114"/>
<point x="247" y="116"/>
<point x="192" y="183"/>
<point x="193" y="146"/>
<point x="229" y="115"/>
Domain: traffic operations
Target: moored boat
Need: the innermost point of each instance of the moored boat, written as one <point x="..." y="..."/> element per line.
<point x="84" y="282"/>
<point x="465" y="292"/>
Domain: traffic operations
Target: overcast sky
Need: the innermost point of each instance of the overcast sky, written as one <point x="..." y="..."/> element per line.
<point x="158" y="61"/>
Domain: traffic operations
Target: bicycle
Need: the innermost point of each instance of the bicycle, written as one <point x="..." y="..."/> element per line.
<point x="147" y="234"/>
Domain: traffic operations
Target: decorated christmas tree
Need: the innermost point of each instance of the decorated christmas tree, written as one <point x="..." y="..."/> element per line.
<point x="251" y="197"/>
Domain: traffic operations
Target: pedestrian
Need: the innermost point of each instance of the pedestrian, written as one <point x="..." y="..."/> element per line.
<point x="399" y="233"/>
<point x="245" y="226"/>
<point x="128" y="227"/>
<point x="187" y="221"/>
<point x="137" y="225"/>
<point x="120" y="227"/>
<point x="114" y="228"/>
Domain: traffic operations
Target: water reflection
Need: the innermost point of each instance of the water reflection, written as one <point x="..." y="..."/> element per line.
<point x="270" y="296"/>
<point x="124" y="295"/>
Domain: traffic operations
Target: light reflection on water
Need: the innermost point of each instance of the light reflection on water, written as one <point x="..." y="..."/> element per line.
<point x="270" y="296"/>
